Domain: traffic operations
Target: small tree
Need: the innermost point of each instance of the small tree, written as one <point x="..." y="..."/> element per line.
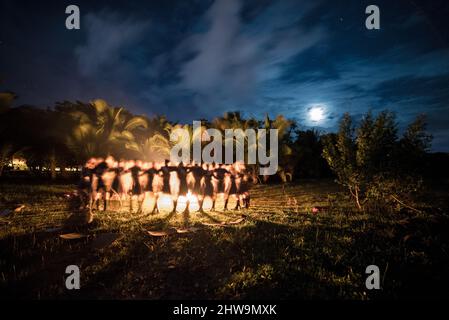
<point x="372" y="162"/>
<point x="340" y="153"/>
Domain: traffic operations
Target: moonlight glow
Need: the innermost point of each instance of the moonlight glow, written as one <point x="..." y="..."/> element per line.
<point x="316" y="114"/>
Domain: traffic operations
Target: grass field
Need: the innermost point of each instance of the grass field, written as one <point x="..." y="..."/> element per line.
<point x="281" y="250"/>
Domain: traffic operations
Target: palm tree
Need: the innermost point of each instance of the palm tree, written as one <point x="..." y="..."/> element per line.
<point x="155" y="148"/>
<point x="284" y="127"/>
<point x="104" y="130"/>
<point x="233" y="120"/>
<point x="159" y="124"/>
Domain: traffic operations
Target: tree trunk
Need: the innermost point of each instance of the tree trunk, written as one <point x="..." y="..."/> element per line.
<point x="355" y="194"/>
<point x="357" y="200"/>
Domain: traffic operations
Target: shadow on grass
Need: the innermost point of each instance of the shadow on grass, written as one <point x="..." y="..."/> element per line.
<point x="253" y="261"/>
<point x="286" y="256"/>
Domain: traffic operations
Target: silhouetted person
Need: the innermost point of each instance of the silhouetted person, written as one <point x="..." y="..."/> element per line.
<point x="116" y="182"/>
<point x="208" y="188"/>
<point x="198" y="173"/>
<point x="136" y="189"/>
<point x="100" y="187"/>
<point x="150" y="173"/>
<point x="166" y="170"/>
<point x="85" y="183"/>
<point x="183" y="189"/>
<point x="221" y="187"/>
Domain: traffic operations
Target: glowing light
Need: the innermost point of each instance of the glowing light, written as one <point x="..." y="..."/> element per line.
<point x="193" y="203"/>
<point x="207" y="203"/>
<point x="19" y="164"/>
<point x="165" y="202"/>
<point x="316" y="114"/>
<point x="191" y="197"/>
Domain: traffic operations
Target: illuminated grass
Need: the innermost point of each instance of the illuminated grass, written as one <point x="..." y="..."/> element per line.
<point x="281" y="250"/>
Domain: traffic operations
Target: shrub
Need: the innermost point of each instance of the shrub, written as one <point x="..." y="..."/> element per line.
<point x="373" y="163"/>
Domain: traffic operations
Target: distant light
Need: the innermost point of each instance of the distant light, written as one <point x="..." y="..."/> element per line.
<point x="316" y="114"/>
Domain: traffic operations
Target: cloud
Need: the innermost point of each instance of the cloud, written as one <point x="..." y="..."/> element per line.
<point x="255" y="56"/>
<point x="232" y="58"/>
<point x="212" y="59"/>
<point x="108" y="35"/>
<point x="398" y="80"/>
<point x="107" y="59"/>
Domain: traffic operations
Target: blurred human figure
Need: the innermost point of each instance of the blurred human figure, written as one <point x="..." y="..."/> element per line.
<point x="85" y="183"/>
<point x="207" y="187"/>
<point x="136" y="190"/>
<point x="183" y="189"/>
<point x="222" y="183"/>
<point x="170" y="183"/>
<point x="149" y="190"/>
<point x="98" y="186"/>
<point x="104" y="179"/>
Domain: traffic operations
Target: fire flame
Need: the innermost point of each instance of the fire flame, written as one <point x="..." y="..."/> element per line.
<point x="165" y="203"/>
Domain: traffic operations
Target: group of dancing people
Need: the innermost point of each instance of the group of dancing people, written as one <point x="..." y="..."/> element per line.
<point x="108" y="179"/>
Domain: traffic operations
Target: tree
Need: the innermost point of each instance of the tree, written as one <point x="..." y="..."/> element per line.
<point x="7" y="147"/>
<point x="340" y="153"/>
<point x="307" y="150"/>
<point x="286" y="157"/>
<point x="368" y="159"/>
<point x="155" y="148"/>
<point x="414" y="145"/>
<point x="104" y="130"/>
<point x="6" y="100"/>
<point x="234" y="120"/>
<point x="36" y="134"/>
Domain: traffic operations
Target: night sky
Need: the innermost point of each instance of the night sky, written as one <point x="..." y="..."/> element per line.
<point x="195" y="59"/>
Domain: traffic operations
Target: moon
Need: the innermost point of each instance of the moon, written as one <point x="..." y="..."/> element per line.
<point x="316" y="114"/>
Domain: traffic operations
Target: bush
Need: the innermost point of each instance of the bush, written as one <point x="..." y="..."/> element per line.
<point x="377" y="167"/>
